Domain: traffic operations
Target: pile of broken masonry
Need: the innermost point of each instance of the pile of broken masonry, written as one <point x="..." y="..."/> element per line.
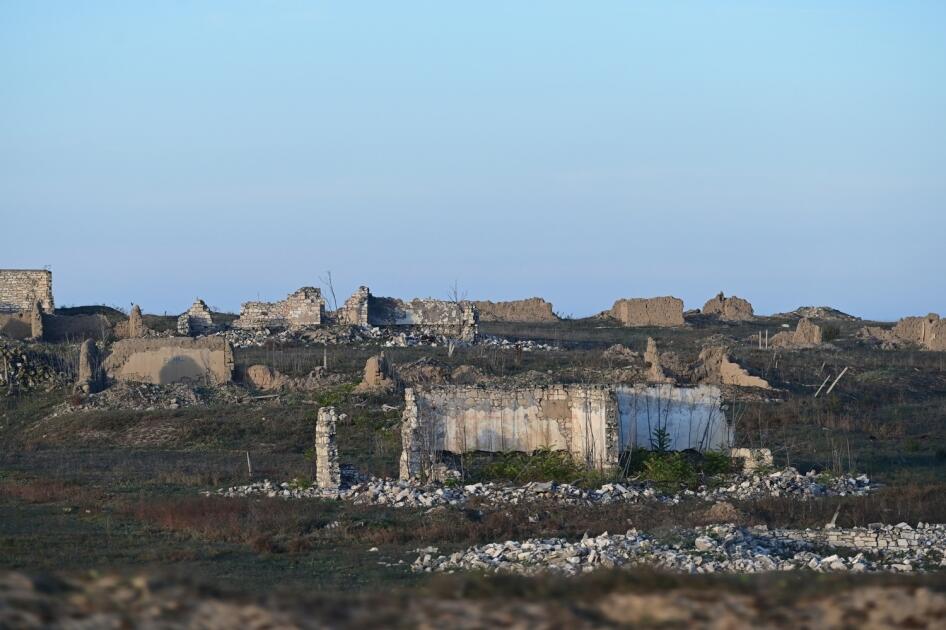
<point x="395" y="493"/>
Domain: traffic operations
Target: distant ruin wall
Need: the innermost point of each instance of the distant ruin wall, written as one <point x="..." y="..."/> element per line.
<point x="20" y="289"/>
<point x="161" y="361"/>
<point x="302" y="309"/>
<point x="658" y="311"/>
<point x="528" y="310"/>
<point x="457" y="319"/>
<point x="729" y="309"/>
<point x="594" y="423"/>
<point x="197" y="320"/>
<point x="928" y="332"/>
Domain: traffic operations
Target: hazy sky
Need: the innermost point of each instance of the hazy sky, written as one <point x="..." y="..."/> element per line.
<point x="788" y="152"/>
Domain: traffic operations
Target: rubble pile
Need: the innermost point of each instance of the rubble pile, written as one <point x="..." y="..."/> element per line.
<point x="713" y="549"/>
<point x="148" y="397"/>
<point x="398" y="493"/>
<point x="22" y="369"/>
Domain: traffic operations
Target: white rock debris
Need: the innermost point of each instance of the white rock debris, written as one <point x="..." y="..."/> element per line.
<point x="785" y="483"/>
<point x="714" y="549"/>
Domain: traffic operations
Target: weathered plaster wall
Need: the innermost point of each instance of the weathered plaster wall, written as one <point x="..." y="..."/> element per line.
<point x="729" y="309"/>
<point x="21" y="289"/>
<point x="301" y="309"/>
<point x="658" y="311"/>
<point x="929" y="332"/>
<point x="161" y="361"/>
<point x="692" y="417"/>
<point x="594" y="423"/>
<point x="528" y="310"/>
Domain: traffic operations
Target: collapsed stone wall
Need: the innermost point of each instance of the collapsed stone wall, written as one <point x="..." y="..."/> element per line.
<point x="161" y="361"/>
<point x="658" y="311"/>
<point x="715" y="367"/>
<point x="301" y="309"/>
<point x="456" y="319"/>
<point x="529" y="310"/>
<point x="729" y="309"/>
<point x="807" y="334"/>
<point x="928" y="332"/>
<point x="593" y="423"/>
<point x="197" y="320"/>
<point x="21" y="289"/>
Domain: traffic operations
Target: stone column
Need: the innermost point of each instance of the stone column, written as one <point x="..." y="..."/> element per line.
<point x="90" y="379"/>
<point x="327" y="470"/>
<point x="135" y="323"/>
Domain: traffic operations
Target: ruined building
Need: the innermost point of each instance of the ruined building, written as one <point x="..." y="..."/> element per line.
<point x="927" y="332"/>
<point x="302" y="309"/>
<point x="197" y="320"/>
<point x="658" y="311"/>
<point x="594" y="423"/>
<point x="22" y="289"/>
<point x="458" y="319"/>
<point x="728" y="309"/>
<point x="528" y="310"/>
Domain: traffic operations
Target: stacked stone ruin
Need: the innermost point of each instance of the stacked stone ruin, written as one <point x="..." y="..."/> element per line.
<point x="22" y="289"/>
<point x="302" y="309"/>
<point x="459" y="319"/>
<point x="197" y="320"/>
<point x="327" y="469"/>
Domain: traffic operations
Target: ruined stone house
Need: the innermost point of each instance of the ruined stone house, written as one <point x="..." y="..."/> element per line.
<point x="658" y="311"/>
<point x="594" y="423"/>
<point x="807" y="334"/>
<point x="302" y="309"/>
<point x="197" y="320"/>
<point x="22" y="289"/>
<point x="459" y="319"/>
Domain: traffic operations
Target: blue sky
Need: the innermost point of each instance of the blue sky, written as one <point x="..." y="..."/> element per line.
<point x="788" y="152"/>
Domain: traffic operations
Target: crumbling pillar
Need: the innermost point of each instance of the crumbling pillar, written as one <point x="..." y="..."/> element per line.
<point x="135" y="323"/>
<point x="36" y="321"/>
<point x="89" y="380"/>
<point x="327" y="470"/>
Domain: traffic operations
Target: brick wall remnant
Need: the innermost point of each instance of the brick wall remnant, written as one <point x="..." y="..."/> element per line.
<point x="728" y="309"/>
<point x="165" y="360"/>
<point x="716" y="368"/>
<point x="21" y="289"/>
<point x="529" y="310"/>
<point x="453" y="319"/>
<point x="327" y="469"/>
<point x="355" y="310"/>
<point x="89" y="380"/>
<point x="658" y="311"/>
<point x="302" y="309"/>
<point x="807" y="334"/>
<point x="593" y="423"/>
<point x="197" y="320"/>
